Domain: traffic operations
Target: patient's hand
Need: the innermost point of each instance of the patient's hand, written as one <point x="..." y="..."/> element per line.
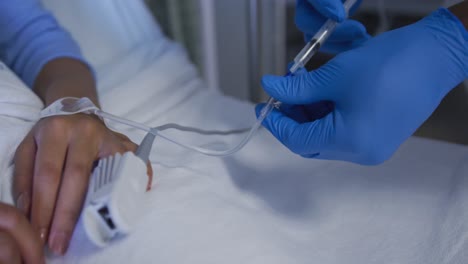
<point x="52" y="169"/>
<point x="18" y="241"/>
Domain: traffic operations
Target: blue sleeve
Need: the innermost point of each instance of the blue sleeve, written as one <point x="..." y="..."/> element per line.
<point x="30" y="37"/>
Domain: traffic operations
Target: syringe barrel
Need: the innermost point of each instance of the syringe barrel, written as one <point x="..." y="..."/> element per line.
<point x="313" y="46"/>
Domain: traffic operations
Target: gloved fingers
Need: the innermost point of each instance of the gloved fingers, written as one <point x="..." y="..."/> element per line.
<point x="302" y="139"/>
<point x="334" y="5"/>
<point x="346" y="36"/>
<point x="303" y="89"/>
<point x="315" y="136"/>
<point x="295" y="112"/>
<point x="307" y="18"/>
<point x="311" y="156"/>
<point x="307" y="113"/>
<point x="347" y="31"/>
<point x="328" y="8"/>
<point x="318" y="110"/>
<point x="335" y="48"/>
<point x="280" y="126"/>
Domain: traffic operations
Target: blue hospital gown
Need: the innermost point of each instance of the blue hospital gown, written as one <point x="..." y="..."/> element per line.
<point x="30" y="37"/>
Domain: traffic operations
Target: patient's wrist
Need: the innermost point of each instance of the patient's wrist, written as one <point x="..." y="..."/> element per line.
<point x="65" y="78"/>
<point x="70" y="86"/>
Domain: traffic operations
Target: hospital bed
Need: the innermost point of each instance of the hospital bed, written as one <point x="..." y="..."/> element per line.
<point x="262" y="205"/>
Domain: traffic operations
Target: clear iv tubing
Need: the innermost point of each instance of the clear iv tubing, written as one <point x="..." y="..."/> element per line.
<point x="311" y="48"/>
<point x="156" y="132"/>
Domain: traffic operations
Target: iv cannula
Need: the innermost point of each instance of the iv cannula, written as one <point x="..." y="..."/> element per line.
<point x="303" y="57"/>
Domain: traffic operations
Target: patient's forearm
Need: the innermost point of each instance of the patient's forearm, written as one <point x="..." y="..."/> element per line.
<point x="65" y="77"/>
<point x="461" y="11"/>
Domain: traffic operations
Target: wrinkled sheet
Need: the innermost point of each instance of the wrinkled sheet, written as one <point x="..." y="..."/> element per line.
<point x="19" y="110"/>
<point x="264" y="204"/>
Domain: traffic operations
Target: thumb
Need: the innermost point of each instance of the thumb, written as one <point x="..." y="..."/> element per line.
<point x="349" y="30"/>
<point x="279" y="125"/>
<point x="330" y="8"/>
<point x="302" y="89"/>
<point x="302" y="139"/>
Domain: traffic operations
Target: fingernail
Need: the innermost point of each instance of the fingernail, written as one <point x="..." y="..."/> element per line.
<point x="59" y="242"/>
<point x="43" y="235"/>
<point x="22" y="203"/>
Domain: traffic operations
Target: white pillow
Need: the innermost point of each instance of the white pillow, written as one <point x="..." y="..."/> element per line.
<point x="106" y="29"/>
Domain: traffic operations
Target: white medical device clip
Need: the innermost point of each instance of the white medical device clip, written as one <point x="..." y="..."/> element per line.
<point x="116" y="194"/>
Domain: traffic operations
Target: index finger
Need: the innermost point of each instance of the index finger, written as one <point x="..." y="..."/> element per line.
<point x="330" y="8"/>
<point x="48" y="166"/>
<point x="78" y="165"/>
<point x="306" y="88"/>
<point x="302" y="139"/>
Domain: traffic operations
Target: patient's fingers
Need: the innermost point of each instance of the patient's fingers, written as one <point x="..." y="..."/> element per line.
<point x="80" y="158"/>
<point x="23" y="173"/>
<point x="9" y="251"/>
<point x="18" y="236"/>
<point x="50" y="156"/>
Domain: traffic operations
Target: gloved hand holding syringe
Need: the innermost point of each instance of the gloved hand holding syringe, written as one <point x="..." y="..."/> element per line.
<point x="68" y="106"/>
<point x="304" y="56"/>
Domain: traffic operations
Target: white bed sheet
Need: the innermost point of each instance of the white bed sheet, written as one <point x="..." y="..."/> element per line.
<point x="263" y="205"/>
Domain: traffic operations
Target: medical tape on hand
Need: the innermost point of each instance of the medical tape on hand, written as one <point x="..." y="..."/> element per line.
<point x="69" y="106"/>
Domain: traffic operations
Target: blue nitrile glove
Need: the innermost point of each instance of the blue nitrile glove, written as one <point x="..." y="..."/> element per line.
<point x="312" y="14"/>
<point x="379" y="93"/>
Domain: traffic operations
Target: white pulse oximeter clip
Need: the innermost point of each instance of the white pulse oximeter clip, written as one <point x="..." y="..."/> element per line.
<point x="116" y="194"/>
